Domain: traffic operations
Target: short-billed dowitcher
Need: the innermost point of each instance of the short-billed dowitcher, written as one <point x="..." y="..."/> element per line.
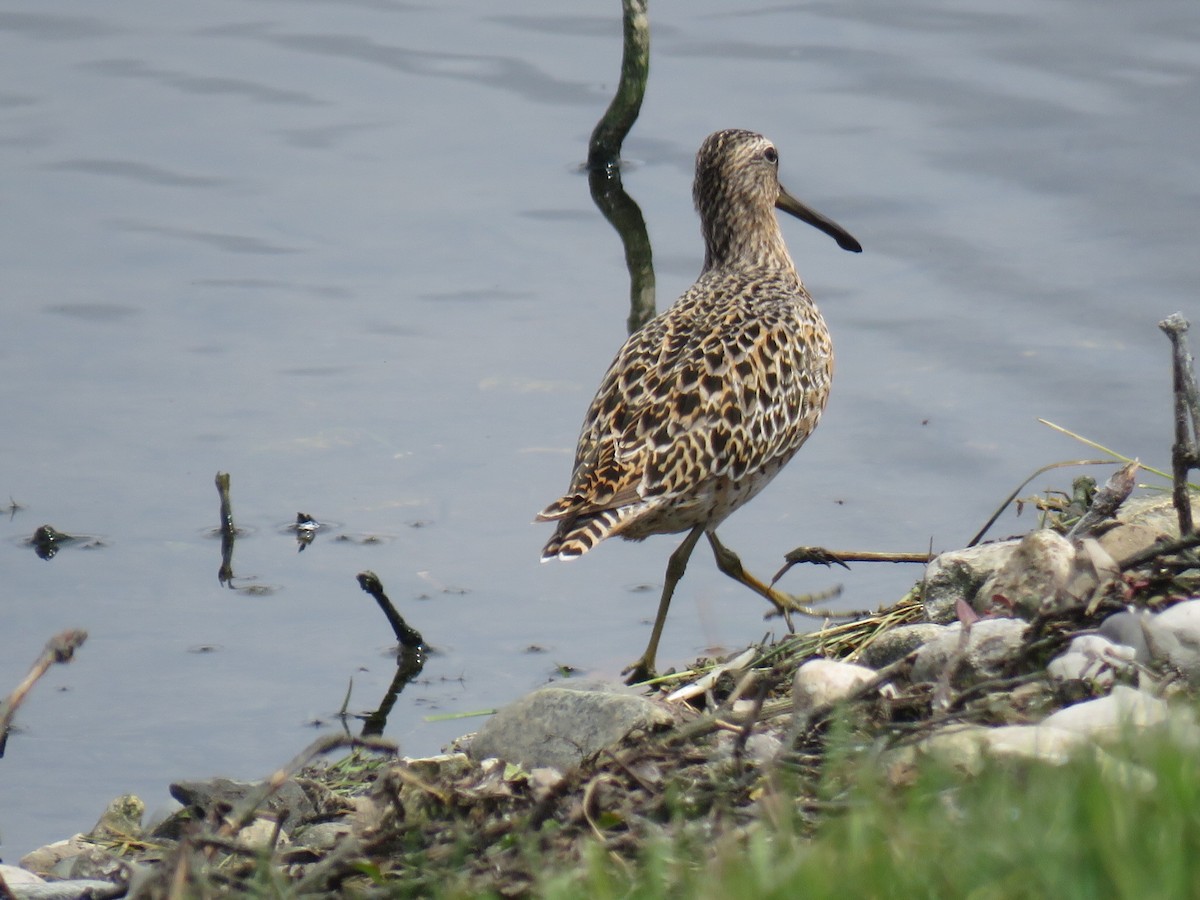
<point x="709" y="400"/>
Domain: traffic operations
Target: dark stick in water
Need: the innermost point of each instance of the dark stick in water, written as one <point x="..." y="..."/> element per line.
<point x="408" y="637"/>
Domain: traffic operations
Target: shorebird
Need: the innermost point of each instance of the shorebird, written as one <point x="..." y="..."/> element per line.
<point x="710" y="399"/>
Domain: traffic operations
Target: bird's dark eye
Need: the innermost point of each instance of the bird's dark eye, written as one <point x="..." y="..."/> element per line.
<point x="770" y="155"/>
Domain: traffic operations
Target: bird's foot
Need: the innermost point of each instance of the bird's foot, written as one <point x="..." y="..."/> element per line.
<point x="818" y="555"/>
<point x="787" y="604"/>
<point x="638" y="671"/>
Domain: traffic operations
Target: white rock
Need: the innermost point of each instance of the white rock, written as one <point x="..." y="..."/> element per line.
<point x="1121" y="713"/>
<point x="258" y="834"/>
<point x="707" y="682"/>
<point x="823" y="681"/>
<point x="1173" y="637"/>
<point x="968" y="748"/>
<point x="1091" y="657"/>
<point x="1044" y="742"/>
<point x="1094" y="568"/>
<point x="14" y="875"/>
<point x="1183" y="616"/>
<point x="959" y="747"/>
<point x="44" y="859"/>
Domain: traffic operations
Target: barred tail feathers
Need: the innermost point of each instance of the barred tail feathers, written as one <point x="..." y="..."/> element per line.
<point x="576" y="536"/>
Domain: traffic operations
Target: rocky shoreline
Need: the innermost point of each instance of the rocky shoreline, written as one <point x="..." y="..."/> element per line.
<point x="1036" y="649"/>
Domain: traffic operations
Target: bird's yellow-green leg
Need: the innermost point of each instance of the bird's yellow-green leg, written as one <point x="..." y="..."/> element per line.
<point x="643" y="669"/>
<point x="729" y="563"/>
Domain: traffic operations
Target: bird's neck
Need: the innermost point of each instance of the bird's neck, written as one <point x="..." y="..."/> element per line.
<point x="740" y="243"/>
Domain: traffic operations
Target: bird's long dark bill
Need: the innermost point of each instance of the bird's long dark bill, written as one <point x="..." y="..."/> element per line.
<point x="790" y="204"/>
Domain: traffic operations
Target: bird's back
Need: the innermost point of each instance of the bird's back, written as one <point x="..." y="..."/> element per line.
<point x="699" y="410"/>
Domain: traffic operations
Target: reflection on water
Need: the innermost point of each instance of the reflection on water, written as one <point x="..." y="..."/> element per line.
<point x="625" y="216"/>
<point x="206" y="200"/>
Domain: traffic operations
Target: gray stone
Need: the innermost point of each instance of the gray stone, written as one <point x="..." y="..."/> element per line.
<point x="958" y="575"/>
<point x="261" y="832"/>
<point x="1035" y="576"/>
<point x="898" y="642"/>
<point x="559" y="727"/>
<point x="121" y="820"/>
<point x="988" y="647"/>
<point x="84" y="889"/>
<point x="321" y="836"/>
<point x="43" y="860"/>
<point x="1042" y="572"/>
<point x="1056" y="746"/>
<point x="760" y="748"/>
<point x="1170" y="639"/>
<point x="95" y="864"/>
<point x="225" y="794"/>
<point x="1127" y="628"/>
<point x="1143" y="522"/>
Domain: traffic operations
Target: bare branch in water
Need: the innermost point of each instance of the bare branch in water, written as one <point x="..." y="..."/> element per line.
<point x="407" y="636"/>
<point x="227" y="527"/>
<point x="604" y="149"/>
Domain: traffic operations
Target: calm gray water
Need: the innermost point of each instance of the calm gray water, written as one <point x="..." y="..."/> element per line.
<point x="343" y="251"/>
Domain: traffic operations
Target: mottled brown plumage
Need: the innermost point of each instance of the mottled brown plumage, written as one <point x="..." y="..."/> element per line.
<point x="708" y="401"/>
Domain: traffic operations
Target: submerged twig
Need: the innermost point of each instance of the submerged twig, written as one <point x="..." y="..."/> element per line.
<point x="306" y="529"/>
<point x="47" y="540"/>
<point x="226" y="529"/>
<point x="59" y="649"/>
<point x="407" y="636"/>
<point x="604" y="148"/>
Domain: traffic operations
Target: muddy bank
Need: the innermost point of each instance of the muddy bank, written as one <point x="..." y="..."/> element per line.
<point x="1034" y="649"/>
